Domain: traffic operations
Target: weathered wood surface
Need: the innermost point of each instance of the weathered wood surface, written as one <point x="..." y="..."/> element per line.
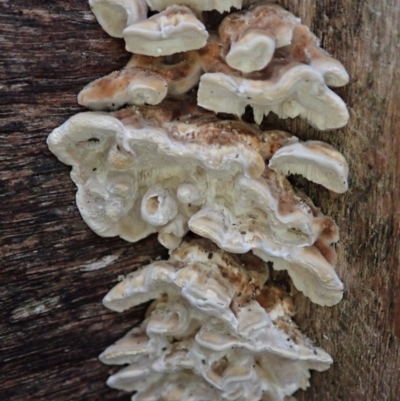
<point x="55" y="271"/>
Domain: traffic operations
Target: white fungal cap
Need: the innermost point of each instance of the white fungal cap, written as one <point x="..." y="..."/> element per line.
<point x="181" y="71"/>
<point x="83" y="137"/>
<point x="265" y="58"/>
<point x="311" y="267"/>
<point x="200" y="5"/>
<point x="161" y="170"/>
<point x="252" y="52"/>
<point x="115" y="15"/>
<point x="296" y="90"/>
<point x="197" y="274"/>
<point x="158" y="206"/>
<point x="87" y="142"/>
<point x="250" y="40"/>
<point x="127" y="86"/>
<point x="305" y="48"/>
<point x="310" y="272"/>
<point x="244" y="348"/>
<point x="252" y="36"/>
<point x="174" y="30"/>
<point x="189" y="193"/>
<point x="112" y="170"/>
<point x="317" y="161"/>
<point x="172" y="233"/>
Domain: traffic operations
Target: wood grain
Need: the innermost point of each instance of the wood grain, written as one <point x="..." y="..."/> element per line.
<point x="55" y="271"/>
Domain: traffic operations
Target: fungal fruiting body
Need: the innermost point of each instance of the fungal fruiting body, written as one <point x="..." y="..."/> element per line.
<point x="218" y="328"/>
<point x="263" y="57"/>
<point x="215" y="321"/>
<point x="160" y="169"/>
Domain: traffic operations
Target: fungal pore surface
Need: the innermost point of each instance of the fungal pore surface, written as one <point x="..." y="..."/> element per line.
<point x="218" y="328"/>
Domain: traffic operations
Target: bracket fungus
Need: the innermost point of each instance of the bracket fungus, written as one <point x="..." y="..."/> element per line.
<point x="218" y="327"/>
<point x="158" y="169"/>
<point x="287" y="88"/>
<point x="127" y="86"/>
<point x="174" y="30"/>
<point x="264" y="57"/>
<point x="115" y="15"/>
<point x="251" y="37"/>
<point x="316" y="161"/>
<point x="215" y="321"/>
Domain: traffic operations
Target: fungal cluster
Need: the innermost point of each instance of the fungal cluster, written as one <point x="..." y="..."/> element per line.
<point x="151" y="158"/>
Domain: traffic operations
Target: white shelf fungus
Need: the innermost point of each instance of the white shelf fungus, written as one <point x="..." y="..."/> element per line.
<point x="251" y="37"/>
<point x="128" y="86"/>
<point x="159" y="169"/>
<point x="316" y="161"/>
<point x="213" y="325"/>
<point x="145" y="80"/>
<point x="115" y="15"/>
<point x="287" y="88"/>
<point x="264" y="57"/>
<point x="217" y="328"/>
<point x="174" y="30"/>
<point x="181" y="71"/>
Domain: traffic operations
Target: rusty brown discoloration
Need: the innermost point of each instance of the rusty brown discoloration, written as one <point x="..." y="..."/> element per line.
<point x="152" y="205"/>
<point x="273" y="296"/>
<point x="174" y="68"/>
<point x="329" y="230"/>
<point x="327" y="251"/>
<point x="191" y="124"/>
<point x="212" y="58"/>
<point x="109" y="85"/>
<point x="293" y="332"/>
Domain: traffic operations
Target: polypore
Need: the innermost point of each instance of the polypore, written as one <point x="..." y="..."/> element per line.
<point x="218" y="328"/>
<point x="215" y="318"/>
<point x="128" y="86"/>
<point x="287" y="88"/>
<point x="159" y="169"/>
<point x="174" y="30"/>
<point x="115" y="15"/>
<point x="264" y="57"/>
<point x="251" y="37"/>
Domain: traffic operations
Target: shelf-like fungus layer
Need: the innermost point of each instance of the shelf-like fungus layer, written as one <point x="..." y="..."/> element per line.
<point x="127" y="86"/>
<point x="251" y="39"/>
<point x="288" y="88"/>
<point x="218" y="329"/>
<point x="213" y="317"/>
<point x="166" y="170"/>
<point x="264" y="57"/>
<point x="174" y="30"/>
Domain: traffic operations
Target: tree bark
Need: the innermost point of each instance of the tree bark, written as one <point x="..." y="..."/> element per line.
<point x="55" y="270"/>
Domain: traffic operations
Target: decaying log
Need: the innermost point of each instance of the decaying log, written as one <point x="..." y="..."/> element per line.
<point x="55" y="271"/>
